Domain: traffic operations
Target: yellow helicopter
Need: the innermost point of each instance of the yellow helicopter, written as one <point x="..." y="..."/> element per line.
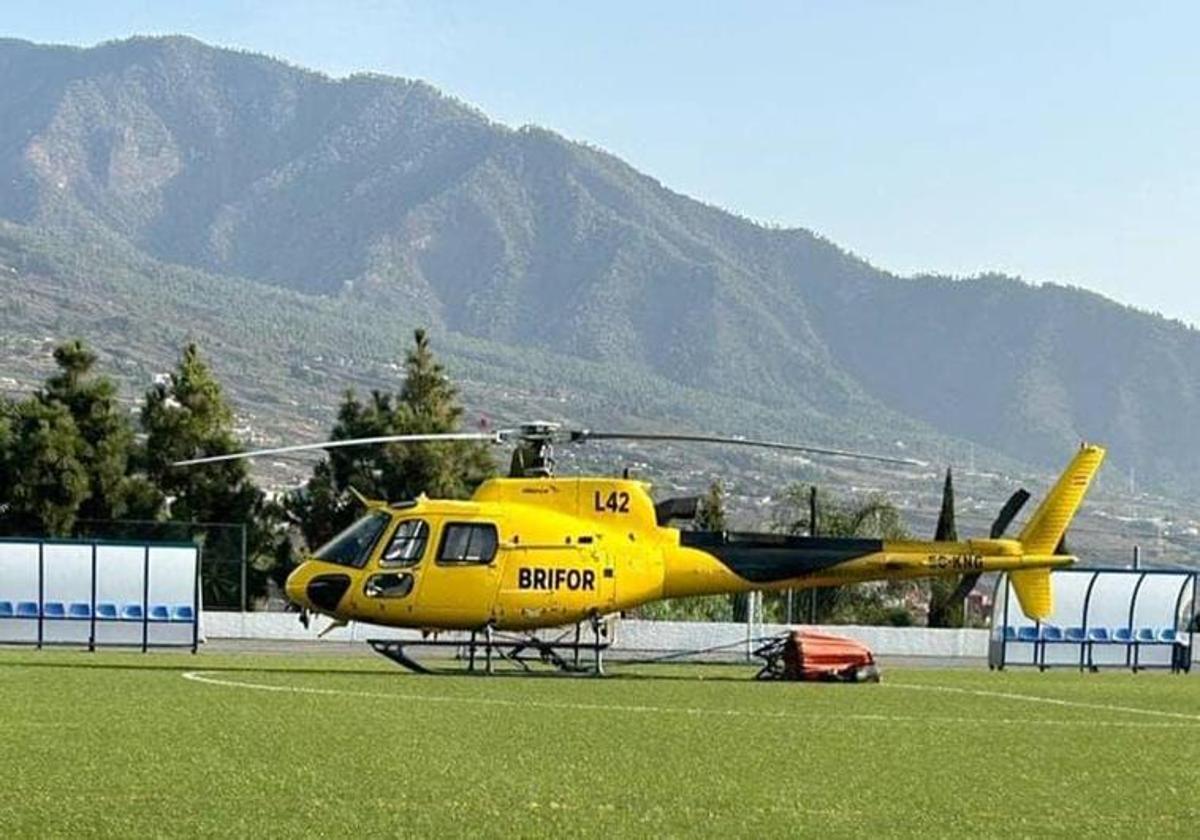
<point x="535" y="551"/>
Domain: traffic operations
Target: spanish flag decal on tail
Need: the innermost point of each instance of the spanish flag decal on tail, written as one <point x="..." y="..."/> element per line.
<point x="1044" y="533"/>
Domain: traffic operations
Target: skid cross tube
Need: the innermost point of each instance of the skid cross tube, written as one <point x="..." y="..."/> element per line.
<point x="519" y="650"/>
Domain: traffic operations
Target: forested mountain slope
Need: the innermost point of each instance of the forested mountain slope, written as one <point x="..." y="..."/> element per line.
<point x="372" y="204"/>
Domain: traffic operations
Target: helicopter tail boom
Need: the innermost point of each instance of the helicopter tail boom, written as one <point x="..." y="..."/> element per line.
<point x="773" y="561"/>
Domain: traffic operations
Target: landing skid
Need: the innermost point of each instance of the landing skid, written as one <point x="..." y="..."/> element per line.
<point x="566" y="656"/>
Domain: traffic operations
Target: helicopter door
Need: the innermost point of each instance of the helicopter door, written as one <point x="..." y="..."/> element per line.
<point x="460" y="585"/>
<point x="606" y="593"/>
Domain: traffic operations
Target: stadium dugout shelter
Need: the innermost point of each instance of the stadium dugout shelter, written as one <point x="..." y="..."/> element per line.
<point x="1103" y="618"/>
<point x="97" y="594"/>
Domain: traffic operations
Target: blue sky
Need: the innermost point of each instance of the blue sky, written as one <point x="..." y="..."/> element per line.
<point x="1055" y="141"/>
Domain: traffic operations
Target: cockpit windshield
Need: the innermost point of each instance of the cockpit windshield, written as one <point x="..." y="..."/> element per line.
<point x="352" y="547"/>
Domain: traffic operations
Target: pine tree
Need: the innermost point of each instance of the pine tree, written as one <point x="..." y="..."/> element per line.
<point x="426" y="404"/>
<point x="44" y="470"/>
<point x="107" y="435"/>
<point x="188" y="417"/>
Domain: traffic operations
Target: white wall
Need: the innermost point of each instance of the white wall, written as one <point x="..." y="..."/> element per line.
<point x="640" y="636"/>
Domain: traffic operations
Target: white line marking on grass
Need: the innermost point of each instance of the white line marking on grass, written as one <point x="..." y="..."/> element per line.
<point x="207" y="678"/>
<point x="1053" y="701"/>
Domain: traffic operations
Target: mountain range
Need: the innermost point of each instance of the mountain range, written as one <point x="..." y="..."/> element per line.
<point x="156" y="190"/>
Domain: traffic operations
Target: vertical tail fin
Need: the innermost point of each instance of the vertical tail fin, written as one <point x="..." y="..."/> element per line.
<point x="1034" y="593"/>
<point x="1046" y="528"/>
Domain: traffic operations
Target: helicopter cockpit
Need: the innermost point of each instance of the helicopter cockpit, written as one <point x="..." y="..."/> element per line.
<point x="353" y="546"/>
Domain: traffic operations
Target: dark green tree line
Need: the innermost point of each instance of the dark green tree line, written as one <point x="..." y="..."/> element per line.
<point x="68" y="453"/>
<point x="72" y="461"/>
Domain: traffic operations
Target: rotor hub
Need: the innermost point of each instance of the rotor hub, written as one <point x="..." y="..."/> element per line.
<point x="539" y="431"/>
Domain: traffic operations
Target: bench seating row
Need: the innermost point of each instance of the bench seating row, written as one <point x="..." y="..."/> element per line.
<point x="1096" y="635"/>
<point x="82" y="611"/>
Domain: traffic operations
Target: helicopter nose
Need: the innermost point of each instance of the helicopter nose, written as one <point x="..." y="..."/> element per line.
<point x="296" y="584"/>
<point x="311" y="586"/>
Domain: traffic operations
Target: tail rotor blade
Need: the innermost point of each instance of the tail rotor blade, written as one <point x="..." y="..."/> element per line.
<point x="1009" y="512"/>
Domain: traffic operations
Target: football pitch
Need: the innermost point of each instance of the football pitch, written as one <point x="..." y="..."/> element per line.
<point x="275" y="745"/>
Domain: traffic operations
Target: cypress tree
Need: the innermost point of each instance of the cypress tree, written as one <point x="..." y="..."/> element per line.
<point x="944" y="609"/>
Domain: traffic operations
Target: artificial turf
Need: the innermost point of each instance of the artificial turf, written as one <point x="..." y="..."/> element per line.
<point x="123" y="744"/>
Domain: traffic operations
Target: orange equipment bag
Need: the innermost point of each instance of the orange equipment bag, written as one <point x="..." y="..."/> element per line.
<point x="808" y="655"/>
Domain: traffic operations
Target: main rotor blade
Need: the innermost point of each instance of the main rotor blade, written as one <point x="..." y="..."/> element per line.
<point x="493" y="437"/>
<point x="587" y="434"/>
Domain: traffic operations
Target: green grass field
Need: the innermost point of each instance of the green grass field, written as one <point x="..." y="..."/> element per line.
<point x="133" y="745"/>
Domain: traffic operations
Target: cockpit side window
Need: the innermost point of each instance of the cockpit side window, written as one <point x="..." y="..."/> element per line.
<point x="408" y="544"/>
<point x="352" y="547"/>
<point x="468" y="543"/>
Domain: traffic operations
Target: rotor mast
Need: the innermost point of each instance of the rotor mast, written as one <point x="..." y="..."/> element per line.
<point x="533" y="456"/>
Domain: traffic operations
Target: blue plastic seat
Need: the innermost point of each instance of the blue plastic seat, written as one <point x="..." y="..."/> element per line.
<point x="183" y="612"/>
<point x="131" y="612"/>
<point x="160" y="612"/>
<point x="27" y="609"/>
<point x="1124" y="635"/>
<point x="1099" y="635"/>
<point x="1147" y="635"/>
<point x="1027" y="634"/>
<point x="106" y="612"/>
<point x="1168" y="635"/>
<point x="1075" y="634"/>
<point x="6" y="609"/>
<point x="1010" y="634"/>
<point x="1050" y="633"/>
<point x="54" y="609"/>
<point x="79" y="609"/>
